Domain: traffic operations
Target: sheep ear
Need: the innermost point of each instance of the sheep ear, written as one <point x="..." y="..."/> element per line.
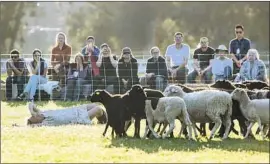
<point x="97" y="93"/>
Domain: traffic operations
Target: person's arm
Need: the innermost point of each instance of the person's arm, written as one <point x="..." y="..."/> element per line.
<point x="53" y="63"/>
<point x="163" y="69"/>
<point x="168" y="59"/>
<point x="231" y="52"/>
<point x="9" y="69"/>
<point x="35" y="70"/>
<point x="261" y="71"/>
<point x="148" y="67"/>
<point x="120" y="70"/>
<point x="45" y="69"/>
<point x="99" y="61"/>
<point x="135" y="68"/>
<point x="186" y="58"/>
<point x="96" y="51"/>
<point x="83" y="51"/>
<point x="67" y="56"/>
<point x="113" y="60"/>
<point x="248" y="47"/>
<point x="243" y="71"/>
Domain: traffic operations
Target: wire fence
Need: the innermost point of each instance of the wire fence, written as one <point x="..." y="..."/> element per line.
<point x="85" y="88"/>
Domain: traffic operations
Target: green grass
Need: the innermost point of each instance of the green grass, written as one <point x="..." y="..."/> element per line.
<point x="86" y="144"/>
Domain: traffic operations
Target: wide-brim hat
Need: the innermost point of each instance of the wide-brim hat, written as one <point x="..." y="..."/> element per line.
<point x="221" y="48"/>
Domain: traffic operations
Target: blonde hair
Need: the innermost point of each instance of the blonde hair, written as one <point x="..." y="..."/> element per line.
<point x="253" y="51"/>
<point x="56" y="38"/>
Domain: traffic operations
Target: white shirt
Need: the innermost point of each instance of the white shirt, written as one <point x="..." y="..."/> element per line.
<point x="178" y="55"/>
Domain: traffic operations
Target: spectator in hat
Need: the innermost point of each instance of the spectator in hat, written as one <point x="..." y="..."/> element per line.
<point x="107" y="63"/>
<point x="16" y="73"/>
<point x="222" y="66"/>
<point x="253" y="68"/>
<point x="201" y="62"/>
<point x="156" y="70"/>
<point x="177" y="56"/>
<point x="60" y="57"/>
<point x="127" y="70"/>
<point x="239" y="47"/>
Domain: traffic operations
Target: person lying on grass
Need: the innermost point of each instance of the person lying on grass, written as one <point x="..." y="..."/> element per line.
<point x="82" y="114"/>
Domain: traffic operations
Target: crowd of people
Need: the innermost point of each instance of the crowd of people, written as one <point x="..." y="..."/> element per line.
<point x="99" y="67"/>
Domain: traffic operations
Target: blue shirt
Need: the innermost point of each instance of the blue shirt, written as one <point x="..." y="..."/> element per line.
<point x="243" y="45"/>
<point x="219" y="65"/>
<point x="95" y="53"/>
<point x="178" y="55"/>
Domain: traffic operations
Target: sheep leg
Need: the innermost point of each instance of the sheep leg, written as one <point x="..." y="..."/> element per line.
<point x="164" y="128"/>
<point x="202" y="129"/>
<point x="159" y="127"/>
<point x="227" y="123"/>
<point x="146" y="132"/>
<point x="217" y="121"/>
<point x="249" y="129"/>
<point x="183" y="126"/>
<point x="112" y="134"/>
<point x="105" y="130"/>
<point x="137" y="128"/>
<point x="261" y="127"/>
<point x="150" y="125"/>
<point x="171" y="127"/>
<point x="194" y="128"/>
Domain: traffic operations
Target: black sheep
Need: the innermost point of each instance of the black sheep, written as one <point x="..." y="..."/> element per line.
<point x="255" y="84"/>
<point x="135" y="101"/>
<point x="116" y="111"/>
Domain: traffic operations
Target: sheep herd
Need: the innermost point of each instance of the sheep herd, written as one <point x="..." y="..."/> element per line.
<point x="218" y="104"/>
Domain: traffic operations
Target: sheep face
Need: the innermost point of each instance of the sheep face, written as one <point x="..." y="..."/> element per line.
<point x="99" y="96"/>
<point x="137" y="91"/>
<point x="173" y="90"/>
<point x="237" y="94"/>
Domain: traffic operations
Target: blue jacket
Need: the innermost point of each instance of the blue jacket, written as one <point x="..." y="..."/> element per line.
<point x="96" y="51"/>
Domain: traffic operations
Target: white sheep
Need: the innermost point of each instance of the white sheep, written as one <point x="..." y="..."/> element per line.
<point x="256" y="110"/>
<point x="168" y="109"/>
<point x="206" y="106"/>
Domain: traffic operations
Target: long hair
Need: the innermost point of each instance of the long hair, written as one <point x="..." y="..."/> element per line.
<point x="56" y="38"/>
<point x="254" y="51"/>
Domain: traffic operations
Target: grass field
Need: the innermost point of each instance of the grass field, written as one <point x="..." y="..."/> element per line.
<point x="86" y="144"/>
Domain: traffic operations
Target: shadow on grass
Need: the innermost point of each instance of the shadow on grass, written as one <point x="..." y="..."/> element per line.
<point x="181" y="144"/>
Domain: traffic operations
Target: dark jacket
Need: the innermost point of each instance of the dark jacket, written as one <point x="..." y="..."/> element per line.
<point x="84" y="74"/>
<point x="128" y="70"/>
<point x="158" y="68"/>
<point x="42" y="66"/>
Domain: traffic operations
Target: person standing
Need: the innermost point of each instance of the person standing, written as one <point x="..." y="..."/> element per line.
<point x="177" y="56"/>
<point x="16" y="73"/>
<point x="60" y="57"/>
<point x="238" y="48"/>
<point x="201" y="62"/>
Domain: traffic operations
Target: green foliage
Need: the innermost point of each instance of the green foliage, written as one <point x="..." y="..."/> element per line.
<point x="142" y="25"/>
<point x="12" y="14"/>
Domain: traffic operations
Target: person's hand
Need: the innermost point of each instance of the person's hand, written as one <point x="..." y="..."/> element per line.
<point x="11" y="64"/>
<point x="238" y="63"/>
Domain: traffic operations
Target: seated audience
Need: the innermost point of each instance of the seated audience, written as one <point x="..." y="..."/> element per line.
<point x="201" y="62"/>
<point x="107" y="64"/>
<point x="222" y="66"/>
<point x="16" y="74"/>
<point x="156" y="70"/>
<point x="38" y="70"/>
<point x="90" y="53"/>
<point x="60" y="57"/>
<point x="82" y="114"/>
<point x="77" y="78"/>
<point x="127" y="70"/>
<point x="253" y="68"/>
<point x="177" y="56"/>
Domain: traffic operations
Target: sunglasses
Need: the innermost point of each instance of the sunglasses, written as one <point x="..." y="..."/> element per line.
<point x="238" y="32"/>
<point x="126" y="53"/>
<point x="14" y="57"/>
<point x="155" y="52"/>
